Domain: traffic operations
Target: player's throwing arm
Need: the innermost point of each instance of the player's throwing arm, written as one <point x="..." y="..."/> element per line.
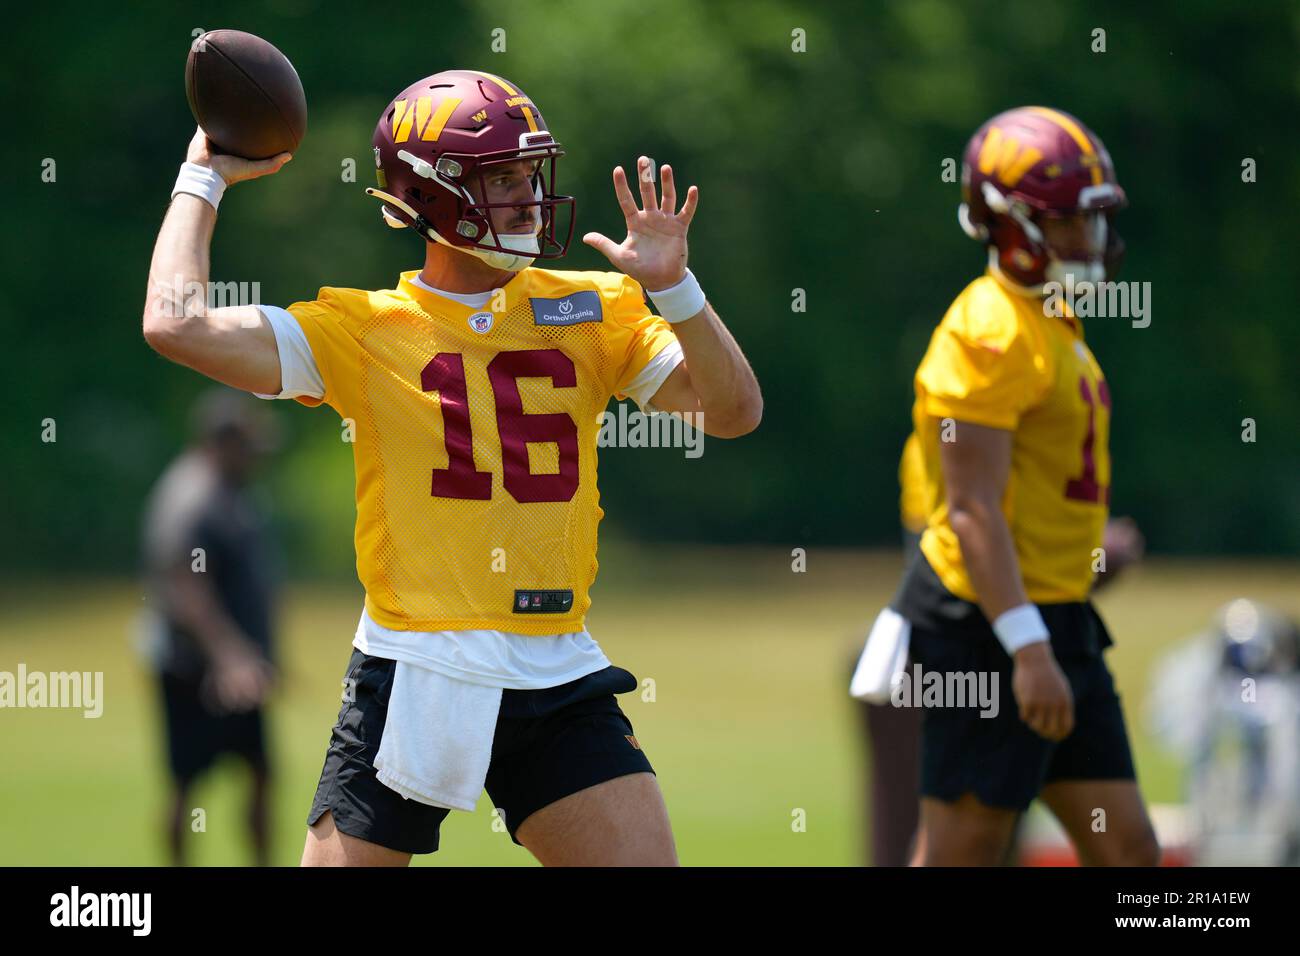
<point x="248" y="95"/>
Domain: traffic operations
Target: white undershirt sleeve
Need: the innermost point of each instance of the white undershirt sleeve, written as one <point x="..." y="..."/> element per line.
<point x="299" y="374"/>
<point x="648" y="381"/>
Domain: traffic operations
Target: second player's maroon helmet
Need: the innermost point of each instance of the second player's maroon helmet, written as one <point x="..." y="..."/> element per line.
<point x="1029" y="163"/>
<point x="439" y="137"/>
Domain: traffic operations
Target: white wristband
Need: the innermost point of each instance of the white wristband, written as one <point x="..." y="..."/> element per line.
<point x="200" y="181"/>
<point x="680" y="302"/>
<point x="1020" y="627"/>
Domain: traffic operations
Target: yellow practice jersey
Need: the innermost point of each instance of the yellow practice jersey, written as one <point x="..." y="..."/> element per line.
<point x="474" y="440"/>
<point x="998" y="360"/>
<point x="913" y="504"/>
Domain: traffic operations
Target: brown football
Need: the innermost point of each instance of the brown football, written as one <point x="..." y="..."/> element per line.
<point x="245" y="94"/>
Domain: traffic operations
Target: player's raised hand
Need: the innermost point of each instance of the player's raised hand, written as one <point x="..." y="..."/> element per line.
<point x="654" y="252"/>
<point x="232" y="169"/>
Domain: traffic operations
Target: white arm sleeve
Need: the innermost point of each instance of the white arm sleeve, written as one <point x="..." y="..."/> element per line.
<point x="648" y="381"/>
<point x="299" y="374"/>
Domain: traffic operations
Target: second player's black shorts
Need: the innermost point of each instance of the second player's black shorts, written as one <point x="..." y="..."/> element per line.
<point x="548" y="744"/>
<point x="999" y="759"/>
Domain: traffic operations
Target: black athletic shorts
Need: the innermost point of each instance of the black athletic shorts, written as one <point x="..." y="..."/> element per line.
<point x="998" y="758"/>
<point x="548" y="744"/>
<point x="196" y="736"/>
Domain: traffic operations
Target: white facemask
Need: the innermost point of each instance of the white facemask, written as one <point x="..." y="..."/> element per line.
<point x="1092" y="269"/>
<point x="1059" y="269"/>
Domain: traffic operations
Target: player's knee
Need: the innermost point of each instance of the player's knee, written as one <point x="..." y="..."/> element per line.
<point x="316" y="851"/>
<point x="1132" y="846"/>
<point x="327" y="845"/>
<point x="973" y="844"/>
<point x="985" y="847"/>
<point x="1141" y="849"/>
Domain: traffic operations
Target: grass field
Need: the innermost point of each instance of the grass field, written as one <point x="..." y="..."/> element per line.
<point x="750" y="720"/>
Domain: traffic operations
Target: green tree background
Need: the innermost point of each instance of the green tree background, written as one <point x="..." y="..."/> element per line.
<point x="819" y="170"/>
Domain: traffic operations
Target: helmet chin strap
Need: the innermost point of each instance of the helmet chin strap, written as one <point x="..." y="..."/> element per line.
<point x="523" y="249"/>
<point x="1008" y="281"/>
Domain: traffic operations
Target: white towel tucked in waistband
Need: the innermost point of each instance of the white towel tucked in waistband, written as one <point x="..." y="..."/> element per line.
<point x="437" y="741"/>
<point x="884" y="658"/>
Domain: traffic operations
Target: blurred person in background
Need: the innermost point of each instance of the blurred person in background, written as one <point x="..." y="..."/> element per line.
<point x="209" y="565"/>
<point x="1228" y="701"/>
<point x="1013" y="416"/>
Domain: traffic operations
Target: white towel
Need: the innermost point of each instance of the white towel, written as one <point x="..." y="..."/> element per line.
<point x="437" y="740"/>
<point x="883" y="658"/>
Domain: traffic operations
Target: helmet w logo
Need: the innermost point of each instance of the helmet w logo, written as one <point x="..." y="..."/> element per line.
<point x="1003" y="157"/>
<point x="428" y="122"/>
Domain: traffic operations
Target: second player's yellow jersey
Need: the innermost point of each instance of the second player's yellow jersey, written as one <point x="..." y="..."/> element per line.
<point x="913" y="504"/>
<point x="998" y="360"/>
<point x="474" y="441"/>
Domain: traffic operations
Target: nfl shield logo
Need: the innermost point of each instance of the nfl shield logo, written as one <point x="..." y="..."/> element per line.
<point x="523" y="601"/>
<point x="480" y="322"/>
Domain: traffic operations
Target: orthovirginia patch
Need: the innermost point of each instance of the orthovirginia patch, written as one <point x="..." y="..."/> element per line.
<point x="572" y="309"/>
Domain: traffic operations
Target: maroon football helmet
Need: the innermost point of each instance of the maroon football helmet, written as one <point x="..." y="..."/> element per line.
<point x="434" y="145"/>
<point x="1031" y="164"/>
